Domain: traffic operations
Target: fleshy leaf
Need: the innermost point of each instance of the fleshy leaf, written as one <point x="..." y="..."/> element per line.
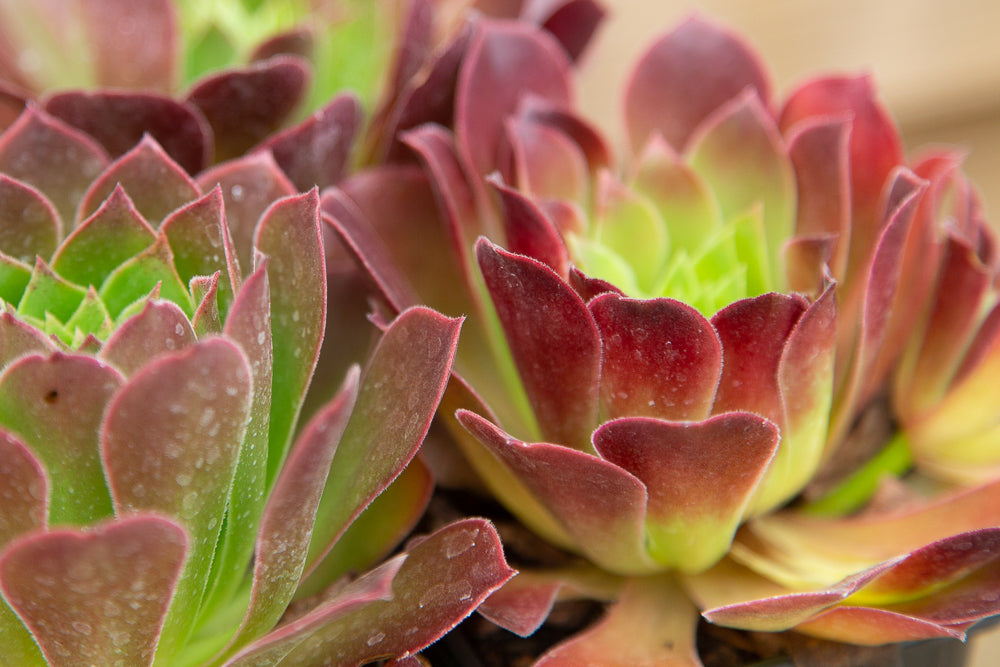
<point x="24" y="489"/>
<point x="740" y="154"/>
<point x="505" y="62"/>
<point x="600" y="505"/>
<point x="875" y="148"/>
<point x="140" y="54"/>
<point x="378" y="530"/>
<point x="660" y="358"/>
<point x="244" y="106"/>
<point x="18" y="338"/>
<point x="400" y="391"/>
<point x="118" y="120"/>
<point x="161" y="327"/>
<point x="682" y="198"/>
<point x="99" y="595"/>
<point x="154" y="182"/>
<point x="114" y="233"/>
<point x="442" y="580"/>
<point x="249" y="185"/>
<point x="29" y="225"/>
<point x="290" y="237"/>
<point x="201" y="245"/>
<point x="205" y="291"/>
<point x="573" y="23"/>
<point x="820" y="156"/>
<point x="543" y="161"/>
<point x="290" y="514"/>
<point x="55" y="158"/>
<point x="530" y="232"/>
<point x="553" y="339"/>
<point x="151" y="269"/>
<point x="248" y="325"/>
<point x="699" y="476"/>
<point x="684" y="77"/>
<point x="651" y="623"/>
<point x="315" y="153"/>
<point x="56" y="404"/>
<point x="49" y="295"/>
<point x="170" y="442"/>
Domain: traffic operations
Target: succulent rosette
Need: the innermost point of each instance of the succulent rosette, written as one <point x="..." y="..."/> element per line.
<point x="658" y="359"/>
<point x="161" y="505"/>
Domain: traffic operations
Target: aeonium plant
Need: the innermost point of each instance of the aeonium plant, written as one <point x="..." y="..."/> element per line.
<point x="161" y="503"/>
<point x="661" y="362"/>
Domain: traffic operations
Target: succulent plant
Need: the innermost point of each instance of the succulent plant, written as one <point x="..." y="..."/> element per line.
<point x="161" y="505"/>
<point x="659" y="359"/>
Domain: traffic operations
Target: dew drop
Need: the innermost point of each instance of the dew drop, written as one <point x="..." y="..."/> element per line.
<point x="183" y="479"/>
<point x="82" y="628"/>
<point x="375" y="639"/>
<point x="236" y="192"/>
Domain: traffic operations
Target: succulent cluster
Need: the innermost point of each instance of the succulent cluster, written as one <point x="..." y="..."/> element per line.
<point x="253" y="254"/>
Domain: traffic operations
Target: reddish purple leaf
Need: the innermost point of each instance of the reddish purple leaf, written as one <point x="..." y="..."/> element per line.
<point x="29" y="225"/>
<point x="17" y="338"/>
<point x="553" y="339"/>
<point x="205" y="292"/>
<point x="139" y="51"/>
<point x="699" y="477"/>
<point x="754" y="334"/>
<point x="289" y="235"/>
<point x="600" y="505"/>
<point x="115" y="233"/>
<point x="356" y="232"/>
<point x="248" y="325"/>
<point x="572" y="22"/>
<point x="588" y="137"/>
<point x="97" y="596"/>
<point x="875" y="148"/>
<point x="315" y="152"/>
<point x="820" y="154"/>
<point x="443" y="578"/>
<point x="652" y="623"/>
<point x="155" y="183"/>
<point x="55" y="158"/>
<point x="245" y="106"/>
<point x="118" y="120"/>
<point x="542" y="161"/>
<point x="161" y="327"/>
<point x="954" y="313"/>
<point x="420" y="100"/>
<point x="588" y="288"/>
<point x="289" y="517"/>
<point x="660" y="358"/>
<point x="460" y="194"/>
<point x="249" y="185"/>
<point x="24" y="489"/>
<point x="529" y="232"/>
<point x="298" y="41"/>
<point x="170" y="442"/>
<point x="522" y="605"/>
<point x="875" y="627"/>
<point x="399" y="206"/>
<point x="200" y="242"/>
<point x="783" y="612"/>
<point x="685" y="77"/>
<point x="400" y="391"/>
<point x="505" y="62"/>
<point x="55" y="404"/>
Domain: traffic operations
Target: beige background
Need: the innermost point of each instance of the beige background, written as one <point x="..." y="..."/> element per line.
<point x="937" y="65"/>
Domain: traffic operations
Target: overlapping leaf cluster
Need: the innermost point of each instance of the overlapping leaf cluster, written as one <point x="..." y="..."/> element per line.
<point x="739" y="374"/>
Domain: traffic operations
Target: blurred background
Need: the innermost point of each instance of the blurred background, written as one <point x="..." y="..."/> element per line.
<point x="935" y="64"/>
